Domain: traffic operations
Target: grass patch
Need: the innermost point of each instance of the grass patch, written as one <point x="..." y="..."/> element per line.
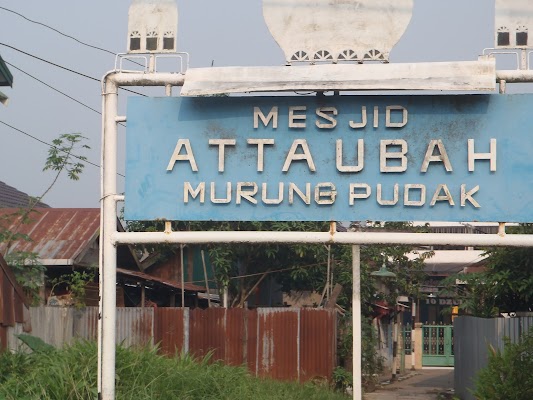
<point x="70" y="374"/>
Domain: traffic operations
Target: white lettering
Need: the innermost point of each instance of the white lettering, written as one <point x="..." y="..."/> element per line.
<point x="360" y="157"/>
<point x="247" y="194"/>
<point x="293" y="156"/>
<point x="388" y="202"/>
<point x="225" y="200"/>
<point x="188" y="156"/>
<point x="321" y="112"/>
<point x="407" y="201"/>
<point x="399" y="155"/>
<point x="260" y="143"/>
<point x="362" y="124"/>
<point x="294" y="117"/>
<point x="272" y="116"/>
<point x="355" y="194"/>
<point x="438" y="197"/>
<point x="221" y="143"/>
<point x="468" y="196"/>
<point x="389" y="123"/>
<point x="188" y="190"/>
<point x="294" y="189"/>
<point x="326" y="196"/>
<point x="430" y="156"/>
<point x="472" y="156"/>
<point x="265" y="198"/>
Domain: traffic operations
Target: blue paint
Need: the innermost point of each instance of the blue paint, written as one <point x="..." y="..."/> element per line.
<point x="156" y="124"/>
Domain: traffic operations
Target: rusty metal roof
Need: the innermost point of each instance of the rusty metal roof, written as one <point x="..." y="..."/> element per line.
<point x="149" y="278"/>
<point x="56" y="233"/>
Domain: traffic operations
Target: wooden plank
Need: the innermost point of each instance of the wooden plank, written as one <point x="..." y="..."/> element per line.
<point x="8" y="294"/>
<point x="449" y="76"/>
<point x="13" y="281"/>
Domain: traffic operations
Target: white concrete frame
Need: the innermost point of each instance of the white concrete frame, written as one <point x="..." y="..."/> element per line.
<point x="110" y="237"/>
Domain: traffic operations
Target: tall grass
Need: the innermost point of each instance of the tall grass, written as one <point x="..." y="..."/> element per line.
<point x="70" y="374"/>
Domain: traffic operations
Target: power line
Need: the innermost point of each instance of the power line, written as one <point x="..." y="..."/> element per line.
<point x="53" y="88"/>
<point x="57" y="90"/>
<point x="63" y="34"/>
<point x="65" y="68"/>
<point x="51" y="145"/>
<point x="57" y="31"/>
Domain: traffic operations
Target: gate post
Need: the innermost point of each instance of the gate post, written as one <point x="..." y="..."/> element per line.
<point x="417" y="345"/>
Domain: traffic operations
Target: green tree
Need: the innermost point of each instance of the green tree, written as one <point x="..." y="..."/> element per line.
<point x="61" y="157"/>
<point x="506" y="284"/>
<point x="510" y="272"/>
<point x="476" y="294"/>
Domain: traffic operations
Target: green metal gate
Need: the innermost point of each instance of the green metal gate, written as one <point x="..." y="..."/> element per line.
<point x="437" y="346"/>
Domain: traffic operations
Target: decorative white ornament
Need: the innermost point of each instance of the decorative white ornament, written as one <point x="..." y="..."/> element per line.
<point x="337" y="30"/>
<point x="152" y="26"/>
<point x="514" y="24"/>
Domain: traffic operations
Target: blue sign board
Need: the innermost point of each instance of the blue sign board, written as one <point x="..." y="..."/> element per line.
<point x="327" y="158"/>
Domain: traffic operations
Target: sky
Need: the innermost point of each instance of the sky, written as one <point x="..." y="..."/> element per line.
<point x="213" y="32"/>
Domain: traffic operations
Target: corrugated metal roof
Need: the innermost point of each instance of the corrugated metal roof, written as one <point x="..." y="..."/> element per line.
<point x="11" y="197"/>
<point x="56" y="233"/>
<point x="164" y="282"/>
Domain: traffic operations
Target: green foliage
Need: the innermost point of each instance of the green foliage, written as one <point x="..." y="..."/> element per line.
<point x="506" y="284"/>
<point x="141" y="374"/>
<point x="60" y="156"/>
<point x="75" y="283"/>
<point x="28" y="271"/>
<point x="510" y="271"/>
<point x="508" y="375"/>
<point x="371" y="362"/>
<point x="342" y="379"/>
<point x="13" y="364"/>
<point x="477" y="294"/>
<point x="34" y="343"/>
<point x="25" y="265"/>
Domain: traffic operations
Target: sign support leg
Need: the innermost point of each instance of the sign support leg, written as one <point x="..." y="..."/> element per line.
<point x="108" y="258"/>
<point x="356" y="322"/>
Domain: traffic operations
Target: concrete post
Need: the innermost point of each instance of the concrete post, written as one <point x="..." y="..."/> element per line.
<point x="418" y="345"/>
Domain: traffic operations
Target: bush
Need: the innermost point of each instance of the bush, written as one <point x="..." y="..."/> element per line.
<point x="141" y="374"/>
<point x="508" y="375"/>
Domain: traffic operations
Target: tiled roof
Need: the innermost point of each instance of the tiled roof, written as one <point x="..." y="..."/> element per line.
<point x="11" y="197"/>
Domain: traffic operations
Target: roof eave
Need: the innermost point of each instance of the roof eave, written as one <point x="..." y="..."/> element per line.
<point x="6" y="74"/>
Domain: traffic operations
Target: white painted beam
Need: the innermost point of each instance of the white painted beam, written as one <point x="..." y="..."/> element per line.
<point x="459" y="76"/>
<point x="361" y="238"/>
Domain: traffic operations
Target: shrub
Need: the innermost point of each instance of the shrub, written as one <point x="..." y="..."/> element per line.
<point x="141" y="374"/>
<point x="508" y="375"/>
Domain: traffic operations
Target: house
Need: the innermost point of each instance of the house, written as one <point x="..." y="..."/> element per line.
<point x="434" y="306"/>
<point x="14" y="307"/>
<point x="198" y="273"/>
<point x="11" y="197"/>
<point x="67" y="240"/>
<point x="6" y="79"/>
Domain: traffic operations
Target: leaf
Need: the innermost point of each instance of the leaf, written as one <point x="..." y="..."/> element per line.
<point x="34" y="343"/>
